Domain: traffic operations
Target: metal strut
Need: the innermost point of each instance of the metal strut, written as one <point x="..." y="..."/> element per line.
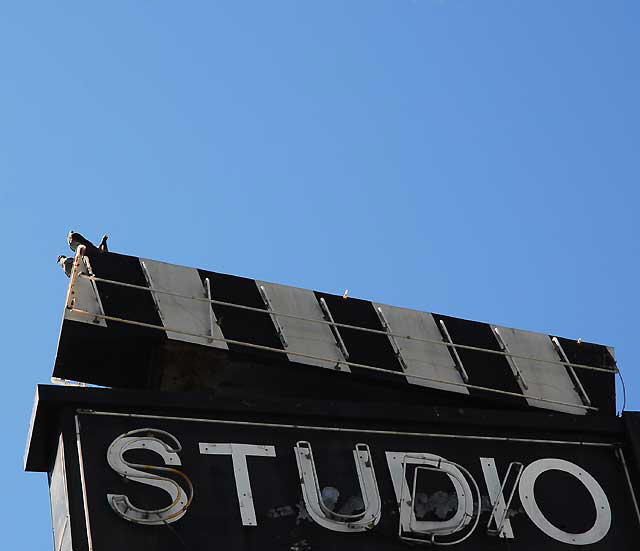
<point x="511" y="361"/>
<point x="334" y="329"/>
<point x="452" y="347"/>
<point x="576" y="381"/>
<point x="274" y="317"/>
<point x="392" y="338"/>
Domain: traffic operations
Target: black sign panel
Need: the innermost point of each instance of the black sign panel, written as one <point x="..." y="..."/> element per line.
<point x="248" y="485"/>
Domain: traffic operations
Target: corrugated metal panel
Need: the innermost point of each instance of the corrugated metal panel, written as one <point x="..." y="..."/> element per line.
<point x="306" y="337"/>
<point x="427" y="359"/>
<point x="545" y="380"/>
<point x="183" y="314"/>
<point x="60" y="503"/>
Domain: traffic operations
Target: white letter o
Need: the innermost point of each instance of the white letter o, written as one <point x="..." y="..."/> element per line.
<point x="603" y="510"/>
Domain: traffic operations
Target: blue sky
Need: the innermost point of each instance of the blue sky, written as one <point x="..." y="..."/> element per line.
<point x="478" y="159"/>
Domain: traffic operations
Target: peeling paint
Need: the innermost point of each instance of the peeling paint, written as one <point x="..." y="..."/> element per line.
<point x="302" y="545"/>
<point x="441" y="504"/>
<point x="277" y="512"/>
<point x="486" y="507"/>
<point x="302" y="513"/>
<point x="352" y="506"/>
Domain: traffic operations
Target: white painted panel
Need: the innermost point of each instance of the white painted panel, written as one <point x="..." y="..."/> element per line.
<point x="179" y="313"/>
<point x="548" y="381"/>
<point x="86" y="298"/>
<point x="427" y="359"/>
<point x="305" y="337"/>
<point x="60" y="502"/>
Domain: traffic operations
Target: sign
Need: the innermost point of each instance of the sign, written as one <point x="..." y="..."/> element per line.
<point x="146" y="324"/>
<point x="171" y="483"/>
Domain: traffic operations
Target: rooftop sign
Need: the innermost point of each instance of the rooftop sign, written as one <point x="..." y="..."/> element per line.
<point x="139" y="319"/>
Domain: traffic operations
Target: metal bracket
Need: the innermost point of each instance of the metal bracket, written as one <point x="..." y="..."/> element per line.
<point x="392" y="339"/>
<point x="267" y="303"/>
<point x="334" y="329"/>
<point x="511" y="361"/>
<point x="454" y="351"/>
<point x="75" y="271"/>
<point x="576" y="381"/>
<point x="89" y="268"/>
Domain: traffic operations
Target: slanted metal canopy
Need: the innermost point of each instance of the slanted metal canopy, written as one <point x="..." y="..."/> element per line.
<point x="149" y="324"/>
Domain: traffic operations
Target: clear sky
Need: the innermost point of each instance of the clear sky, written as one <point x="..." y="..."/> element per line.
<point x="473" y="158"/>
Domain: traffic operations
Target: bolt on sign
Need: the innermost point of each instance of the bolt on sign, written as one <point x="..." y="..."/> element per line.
<point x="244" y="414"/>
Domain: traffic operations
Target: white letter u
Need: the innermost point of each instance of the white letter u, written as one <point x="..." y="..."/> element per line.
<point x="312" y="495"/>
